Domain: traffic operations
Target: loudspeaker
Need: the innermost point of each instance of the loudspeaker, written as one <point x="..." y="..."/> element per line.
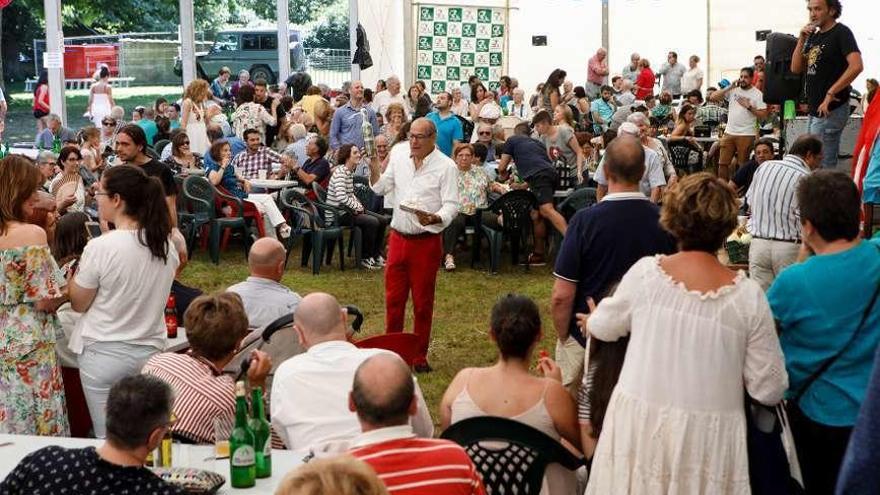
<point x="780" y="83"/>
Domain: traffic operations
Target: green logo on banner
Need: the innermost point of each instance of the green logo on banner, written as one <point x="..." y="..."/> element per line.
<point x="426" y="14"/>
<point x="439" y="29"/>
<point x="439" y="58"/>
<point x="425" y="42"/>
<point x="438" y="87"/>
<point x="469" y="30"/>
<point x="453" y="74"/>
<point x="493" y="86"/>
<point x="495" y="59"/>
<point x="482" y="73"/>
<point x="424" y="72"/>
<point x="454" y="15"/>
<point x="497" y="30"/>
<point x="482" y="45"/>
<point x="484" y="15"/>
<point x="453" y="44"/>
<point x="467" y="59"/>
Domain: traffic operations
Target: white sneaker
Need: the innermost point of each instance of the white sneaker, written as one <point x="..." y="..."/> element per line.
<point x="284" y="231"/>
<point x="370" y="264"/>
<point x="379" y="260"/>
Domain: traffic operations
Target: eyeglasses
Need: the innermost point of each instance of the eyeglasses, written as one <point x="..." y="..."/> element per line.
<point x="419" y="137"/>
<point x="109" y="123"/>
<point x="484" y="133"/>
<point x="185" y="143"/>
<point x="102" y="193"/>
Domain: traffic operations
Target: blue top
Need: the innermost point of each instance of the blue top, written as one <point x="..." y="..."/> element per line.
<point x="602" y="243"/>
<point x="150" y="130"/>
<point x="237" y="145"/>
<point x="818" y="304"/>
<point x="229" y="182"/>
<point x="605" y="110"/>
<point x="346" y="126"/>
<point x="859" y="474"/>
<point x="448" y="130"/>
<point x="45" y="139"/>
<point x="529" y="154"/>
<point x="871" y="184"/>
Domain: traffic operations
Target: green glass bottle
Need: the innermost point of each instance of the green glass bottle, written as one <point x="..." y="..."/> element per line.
<point x="242" y="467"/>
<point x="262" y="434"/>
<point x="56" y="145"/>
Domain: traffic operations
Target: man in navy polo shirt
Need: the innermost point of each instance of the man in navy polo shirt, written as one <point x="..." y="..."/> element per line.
<point x="449" y="131"/>
<point x="600" y="245"/>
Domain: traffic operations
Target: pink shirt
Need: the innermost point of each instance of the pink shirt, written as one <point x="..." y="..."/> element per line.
<point x="597" y="71"/>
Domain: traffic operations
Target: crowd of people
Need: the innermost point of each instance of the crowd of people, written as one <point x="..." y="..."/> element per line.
<point x="91" y="250"/>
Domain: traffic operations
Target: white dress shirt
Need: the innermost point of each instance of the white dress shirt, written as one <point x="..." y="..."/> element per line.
<point x="310" y="397"/>
<point x="432" y="188"/>
<point x="383" y="98"/>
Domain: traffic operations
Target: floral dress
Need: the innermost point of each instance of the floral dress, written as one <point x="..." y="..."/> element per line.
<point x="30" y="379"/>
<point x="473" y="188"/>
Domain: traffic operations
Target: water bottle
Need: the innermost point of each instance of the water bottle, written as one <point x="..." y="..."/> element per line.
<point x="367" y="132"/>
<point x="242" y="461"/>
<point x="56" y="145"/>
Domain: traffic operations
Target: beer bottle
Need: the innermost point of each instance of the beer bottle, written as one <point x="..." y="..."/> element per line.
<point x="262" y="435"/>
<point x="241" y="445"/>
<point x="171" y="317"/>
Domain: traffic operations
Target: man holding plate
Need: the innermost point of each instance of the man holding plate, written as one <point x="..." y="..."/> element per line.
<point x="425" y="183"/>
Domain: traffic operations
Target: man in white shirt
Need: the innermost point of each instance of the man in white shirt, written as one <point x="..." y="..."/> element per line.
<point x="310" y="391"/>
<point x="746" y="106"/>
<point x="693" y="78"/>
<point x="387" y="96"/>
<point x="265" y="299"/>
<point x="425" y="183"/>
<point x="653" y="179"/>
<point x="672" y="72"/>
<point x="631" y="71"/>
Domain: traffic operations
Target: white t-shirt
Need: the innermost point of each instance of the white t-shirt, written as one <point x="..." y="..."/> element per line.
<point x="383" y="98"/>
<point x="133" y="287"/>
<point x="740" y="121"/>
<point x="689" y="80"/>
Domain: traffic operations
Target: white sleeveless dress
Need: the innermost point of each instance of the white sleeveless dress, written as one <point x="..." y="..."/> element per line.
<point x="100" y="106"/>
<point x="197" y="131"/>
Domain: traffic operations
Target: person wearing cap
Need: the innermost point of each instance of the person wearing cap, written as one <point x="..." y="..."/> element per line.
<point x="489" y="114"/>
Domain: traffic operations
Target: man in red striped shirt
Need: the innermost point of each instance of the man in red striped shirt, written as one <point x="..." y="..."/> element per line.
<point x="383" y="396"/>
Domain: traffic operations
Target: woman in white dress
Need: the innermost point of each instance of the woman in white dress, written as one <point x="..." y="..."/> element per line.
<point x="700" y="337"/>
<point x="100" y="97"/>
<point x="193" y="116"/>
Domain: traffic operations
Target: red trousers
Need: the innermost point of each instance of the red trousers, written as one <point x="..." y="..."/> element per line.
<point x="412" y="265"/>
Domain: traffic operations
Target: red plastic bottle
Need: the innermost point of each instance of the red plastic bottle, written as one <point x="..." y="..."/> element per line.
<point x="171" y="317"/>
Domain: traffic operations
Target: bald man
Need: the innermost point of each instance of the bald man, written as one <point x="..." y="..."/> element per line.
<point x="597" y="73"/>
<point x="425" y="182"/>
<point x="383" y="396"/>
<point x="265" y="298"/>
<point x="310" y="392"/>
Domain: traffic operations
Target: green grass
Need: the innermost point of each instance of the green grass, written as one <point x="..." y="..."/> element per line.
<point x="21" y="125"/>
<point x="463" y="302"/>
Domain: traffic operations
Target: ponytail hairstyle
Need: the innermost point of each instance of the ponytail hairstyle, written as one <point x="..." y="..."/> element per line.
<point x="144" y="199"/>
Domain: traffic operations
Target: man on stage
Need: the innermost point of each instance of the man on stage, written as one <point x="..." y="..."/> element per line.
<point x="424" y="183"/>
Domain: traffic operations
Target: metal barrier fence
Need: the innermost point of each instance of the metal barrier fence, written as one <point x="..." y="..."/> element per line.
<point x="328" y="66"/>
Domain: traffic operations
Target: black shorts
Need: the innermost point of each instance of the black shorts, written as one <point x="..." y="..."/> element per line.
<point x="541" y="184"/>
<point x="38" y="114"/>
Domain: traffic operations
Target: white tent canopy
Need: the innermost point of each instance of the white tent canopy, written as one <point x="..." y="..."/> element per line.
<point x="721" y="32"/>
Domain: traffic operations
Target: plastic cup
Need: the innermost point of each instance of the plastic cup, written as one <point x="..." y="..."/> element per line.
<point x="789" y="109"/>
<point x="222" y="429"/>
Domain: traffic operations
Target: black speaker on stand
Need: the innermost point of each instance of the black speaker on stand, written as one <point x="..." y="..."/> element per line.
<point x="780" y="84"/>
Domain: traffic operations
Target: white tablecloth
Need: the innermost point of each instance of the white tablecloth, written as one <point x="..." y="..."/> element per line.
<point x="28" y="152"/>
<point x="178" y="343"/>
<point x="283" y="461"/>
<point x="273" y="184"/>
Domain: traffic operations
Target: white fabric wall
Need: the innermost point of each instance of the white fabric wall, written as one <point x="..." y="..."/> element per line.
<point x="649" y="27"/>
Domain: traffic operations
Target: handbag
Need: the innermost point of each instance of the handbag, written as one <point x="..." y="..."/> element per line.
<point x="769" y="469"/>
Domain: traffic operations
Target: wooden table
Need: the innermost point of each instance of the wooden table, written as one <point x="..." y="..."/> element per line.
<point x="183" y="455"/>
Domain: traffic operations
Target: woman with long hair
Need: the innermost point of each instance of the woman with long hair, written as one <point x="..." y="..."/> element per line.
<point x="701" y="337"/>
<point x="417" y="102"/>
<point x="31" y="289"/>
<point x="193" y="116"/>
<point x="509" y="389"/>
<point x="41" y="100"/>
<point x="479" y="97"/>
<point x="252" y="115"/>
<point x="182" y="159"/>
<point x="551" y="94"/>
<point x="122" y="284"/>
<point x="68" y="187"/>
<point x="100" y="97"/>
<point x="340" y="192"/>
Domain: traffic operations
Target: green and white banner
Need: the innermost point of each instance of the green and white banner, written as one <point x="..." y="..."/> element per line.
<point x="454" y="42"/>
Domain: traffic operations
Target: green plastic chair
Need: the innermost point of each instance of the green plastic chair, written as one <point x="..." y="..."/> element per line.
<point x="315" y="229"/>
<point x="203" y="198"/>
<point x="515" y="207"/>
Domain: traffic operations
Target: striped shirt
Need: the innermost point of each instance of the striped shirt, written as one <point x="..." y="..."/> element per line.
<point x="201" y="393"/>
<point x="340" y="191"/>
<point x="418" y="466"/>
<point x="772" y="197"/>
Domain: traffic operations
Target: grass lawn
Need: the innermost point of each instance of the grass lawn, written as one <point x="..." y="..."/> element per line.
<point x="21" y="125"/>
<point x="464" y="300"/>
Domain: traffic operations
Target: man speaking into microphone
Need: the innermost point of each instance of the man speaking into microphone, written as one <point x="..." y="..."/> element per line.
<point x="828" y="52"/>
<point x="424" y="183"/>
